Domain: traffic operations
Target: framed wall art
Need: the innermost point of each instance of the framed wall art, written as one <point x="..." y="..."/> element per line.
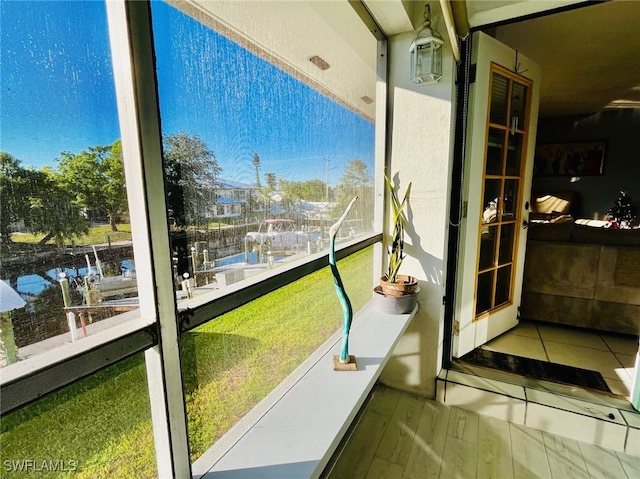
<point x="579" y="158"/>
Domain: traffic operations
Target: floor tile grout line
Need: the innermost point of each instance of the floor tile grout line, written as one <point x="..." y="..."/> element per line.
<point x="413" y="432"/>
<point x="548" y="359"/>
<point x="384" y="432"/>
<point x="543" y="346"/>
<point x="578" y="342"/>
<point x="624" y="368"/>
<point x="555" y="328"/>
<point x="579" y="457"/>
<point x="607" y="344"/>
<point x="608" y="350"/>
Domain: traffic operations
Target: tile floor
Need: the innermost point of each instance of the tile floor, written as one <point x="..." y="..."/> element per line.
<point x="401" y="436"/>
<point x="613" y="355"/>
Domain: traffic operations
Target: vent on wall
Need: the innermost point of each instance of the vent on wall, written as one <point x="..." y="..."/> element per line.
<point x="319" y="62"/>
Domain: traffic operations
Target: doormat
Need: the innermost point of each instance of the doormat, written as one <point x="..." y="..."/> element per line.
<point x="546" y="371"/>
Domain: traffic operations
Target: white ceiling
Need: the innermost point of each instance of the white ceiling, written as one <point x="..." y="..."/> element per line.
<point x="590" y="57"/>
<point x="288" y="33"/>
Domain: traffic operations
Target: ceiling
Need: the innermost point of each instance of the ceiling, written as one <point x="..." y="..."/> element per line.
<point x="590" y="57"/>
<point x="289" y="34"/>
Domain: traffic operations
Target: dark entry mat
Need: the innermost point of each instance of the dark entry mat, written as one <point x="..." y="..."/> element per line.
<point x="558" y="373"/>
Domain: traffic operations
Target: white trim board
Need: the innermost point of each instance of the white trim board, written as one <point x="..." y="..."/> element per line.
<point x="299" y="431"/>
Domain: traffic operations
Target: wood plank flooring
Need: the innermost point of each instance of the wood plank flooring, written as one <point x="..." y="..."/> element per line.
<point x="402" y="436"/>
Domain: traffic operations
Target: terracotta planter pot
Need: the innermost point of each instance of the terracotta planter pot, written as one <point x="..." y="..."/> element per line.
<point x="403" y="286"/>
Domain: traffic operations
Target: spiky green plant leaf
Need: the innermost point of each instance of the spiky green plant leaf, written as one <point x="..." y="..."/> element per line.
<point x="399" y="222"/>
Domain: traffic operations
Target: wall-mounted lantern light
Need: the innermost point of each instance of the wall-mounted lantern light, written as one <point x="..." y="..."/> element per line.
<point x="426" y="53"/>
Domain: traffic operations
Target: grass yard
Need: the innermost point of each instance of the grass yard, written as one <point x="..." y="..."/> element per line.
<point x="229" y="364"/>
<point x="97" y="235"/>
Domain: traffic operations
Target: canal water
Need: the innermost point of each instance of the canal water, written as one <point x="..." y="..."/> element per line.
<point x="43" y="316"/>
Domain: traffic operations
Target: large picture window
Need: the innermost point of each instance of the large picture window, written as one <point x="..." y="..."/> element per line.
<point x="65" y="231"/>
<point x="149" y="259"/>
<point x="98" y="427"/>
<point x="231" y="363"/>
<point x="258" y="163"/>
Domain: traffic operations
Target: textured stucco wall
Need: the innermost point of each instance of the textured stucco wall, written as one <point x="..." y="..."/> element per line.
<point x="421" y="152"/>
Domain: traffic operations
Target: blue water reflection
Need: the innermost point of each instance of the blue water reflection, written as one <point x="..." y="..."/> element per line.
<point x="34" y="284"/>
<point x="241" y="258"/>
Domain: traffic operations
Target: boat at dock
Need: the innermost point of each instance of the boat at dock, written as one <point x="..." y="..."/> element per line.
<point x="278" y="235"/>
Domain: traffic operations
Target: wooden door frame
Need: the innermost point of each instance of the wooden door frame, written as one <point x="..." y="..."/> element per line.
<point x="465" y="75"/>
<point x="501" y="70"/>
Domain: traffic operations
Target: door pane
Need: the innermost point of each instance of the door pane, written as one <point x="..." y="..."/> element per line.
<point x="487" y="256"/>
<point x="510" y="203"/>
<point x="491" y="195"/>
<point x="519" y="104"/>
<point x="505" y="156"/>
<point x="495" y="149"/>
<point x="499" y="103"/>
<point x="506" y="243"/>
<point x="483" y="292"/>
<point x="514" y="154"/>
<point x="503" y="286"/>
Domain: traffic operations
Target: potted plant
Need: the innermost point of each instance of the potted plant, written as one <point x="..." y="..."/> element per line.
<point x="397" y="292"/>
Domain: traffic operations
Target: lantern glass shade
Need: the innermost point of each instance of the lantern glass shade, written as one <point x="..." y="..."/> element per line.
<point x="426" y="58"/>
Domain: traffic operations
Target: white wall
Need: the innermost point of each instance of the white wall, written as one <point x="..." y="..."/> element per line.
<point x="421" y="150"/>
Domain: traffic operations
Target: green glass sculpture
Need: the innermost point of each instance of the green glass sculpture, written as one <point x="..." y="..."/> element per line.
<point x="347" y="310"/>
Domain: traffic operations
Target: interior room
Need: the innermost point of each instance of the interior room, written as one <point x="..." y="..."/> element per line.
<point x="587" y="95"/>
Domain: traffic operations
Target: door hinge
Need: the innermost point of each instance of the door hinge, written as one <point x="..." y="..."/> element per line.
<point x="465" y="207"/>
<point x="456" y="327"/>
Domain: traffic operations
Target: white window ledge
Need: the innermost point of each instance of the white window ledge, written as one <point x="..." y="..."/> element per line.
<point x="295" y="430"/>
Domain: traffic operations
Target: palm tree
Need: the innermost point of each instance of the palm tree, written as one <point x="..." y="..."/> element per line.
<point x="256" y="165"/>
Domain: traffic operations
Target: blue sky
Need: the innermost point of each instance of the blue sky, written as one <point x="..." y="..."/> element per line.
<point x="58" y="95"/>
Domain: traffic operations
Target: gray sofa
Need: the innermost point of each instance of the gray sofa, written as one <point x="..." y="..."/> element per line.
<point x="564" y="229"/>
<point x="583" y="276"/>
<point x="580" y="273"/>
<point x="581" y="284"/>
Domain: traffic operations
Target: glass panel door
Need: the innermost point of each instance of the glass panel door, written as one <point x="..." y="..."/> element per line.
<point x="503" y="108"/>
<point x="502" y="192"/>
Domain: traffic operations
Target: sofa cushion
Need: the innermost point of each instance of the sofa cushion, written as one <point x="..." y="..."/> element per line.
<point x="547" y="206"/>
<point x="605" y="236"/>
<point x="551" y="231"/>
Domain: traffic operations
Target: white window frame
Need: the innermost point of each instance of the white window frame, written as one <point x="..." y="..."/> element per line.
<point x="156" y="327"/>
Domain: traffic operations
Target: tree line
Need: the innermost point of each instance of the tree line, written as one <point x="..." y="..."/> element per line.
<point x="57" y="203"/>
<point x="61" y="202"/>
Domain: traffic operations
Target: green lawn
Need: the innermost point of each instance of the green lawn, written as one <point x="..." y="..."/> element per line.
<point x="229" y="364"/>
<point x="96" y="235"/>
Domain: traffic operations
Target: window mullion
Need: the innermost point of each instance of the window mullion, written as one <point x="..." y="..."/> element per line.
<point x="134" y="70"/>
<point x="382" y="159"/>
